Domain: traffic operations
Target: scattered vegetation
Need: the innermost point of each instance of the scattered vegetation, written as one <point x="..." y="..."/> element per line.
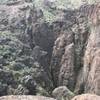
<point x="49" y="15"/>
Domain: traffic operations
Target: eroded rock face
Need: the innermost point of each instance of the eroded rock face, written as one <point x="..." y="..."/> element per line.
<point x="58" y="52"/>
<point x="68" y="50"/>
<point x="36" y="57"/>
<point x="92" y="57"/>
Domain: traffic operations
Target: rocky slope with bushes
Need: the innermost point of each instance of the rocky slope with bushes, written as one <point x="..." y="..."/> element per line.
<point x="48" y="49"/>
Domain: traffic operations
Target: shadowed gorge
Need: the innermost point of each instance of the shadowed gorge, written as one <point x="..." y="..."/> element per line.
<point x="49" y="48"/>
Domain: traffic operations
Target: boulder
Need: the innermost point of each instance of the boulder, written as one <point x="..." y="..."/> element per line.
<point x="62" y="93"/>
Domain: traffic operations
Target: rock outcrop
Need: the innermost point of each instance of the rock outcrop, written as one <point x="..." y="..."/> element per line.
<point x="68" y="50"/>
<point x="37" y="56"/>
<point x="92" y="56"/>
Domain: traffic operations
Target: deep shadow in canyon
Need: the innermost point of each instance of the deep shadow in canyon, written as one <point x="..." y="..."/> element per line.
<point x="36" y="56"/>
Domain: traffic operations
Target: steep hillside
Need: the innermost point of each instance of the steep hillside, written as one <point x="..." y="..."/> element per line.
<point x="49" y="45"/>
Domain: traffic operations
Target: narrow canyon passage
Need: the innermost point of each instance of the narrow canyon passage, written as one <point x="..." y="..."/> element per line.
<point x="49" y="51"/>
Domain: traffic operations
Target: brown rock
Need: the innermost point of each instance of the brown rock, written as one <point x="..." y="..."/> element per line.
<point x="91" y="71"/>
<point x="67" y="75"/>
<point x="64" y="41"/>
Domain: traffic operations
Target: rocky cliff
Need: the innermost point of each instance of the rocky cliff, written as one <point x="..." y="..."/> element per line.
<point x="37" y="55"/>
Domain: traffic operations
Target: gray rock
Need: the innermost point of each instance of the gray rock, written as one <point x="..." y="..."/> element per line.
<point x="62" y="93"/>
